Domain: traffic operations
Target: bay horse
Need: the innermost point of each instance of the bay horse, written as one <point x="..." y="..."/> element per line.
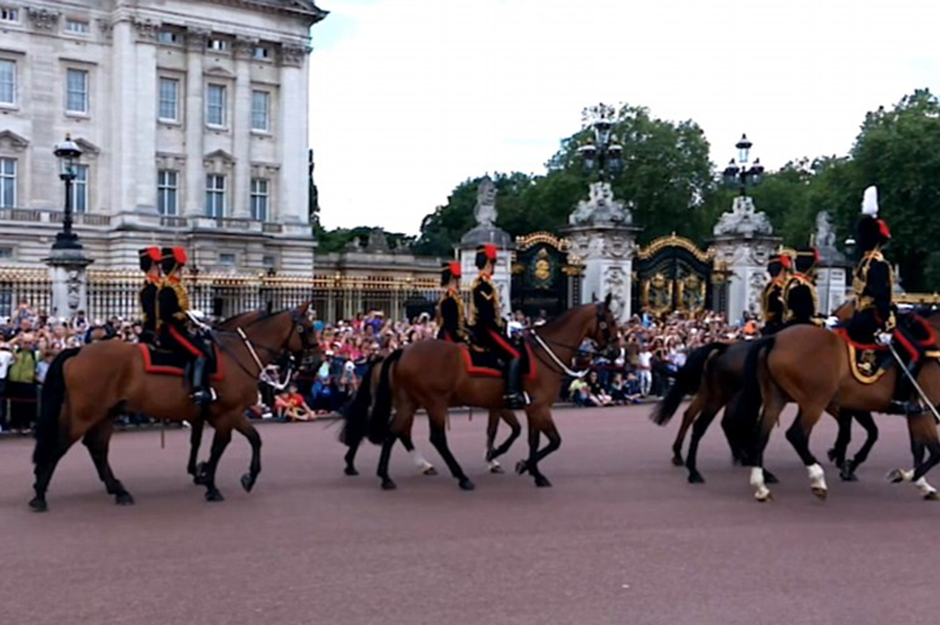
<point x="433" y="375"/>
<point x="85" y="388"/>
<point x="810" y="367"/>
<point x="713" y="375"/>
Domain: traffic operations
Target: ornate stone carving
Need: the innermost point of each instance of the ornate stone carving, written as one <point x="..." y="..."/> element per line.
<point x="743" y="220"/>
<point x="106" y="28"/>
<point x="196" y="39"/>
<point x="485" y="210"/>
<point x="601" y="209"/>
<point x="755" y="288"/>
<point x="42" y="19"/>
<point x="293" y="55"/>
<point x="615" y="283"/>
<point x="244" y="47"/>
<point x="146" y="29"/>
<point x="13" y="142"/>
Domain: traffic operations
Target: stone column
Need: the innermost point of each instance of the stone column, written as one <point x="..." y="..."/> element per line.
<point x="124" y="117"/>
<point x="241" y="130"/>
<point x="292" y="131"/>
<point x="145" y="107"/>
<point x="67" y="270"/>
<point x="194" y="199"/>
<point x="603" y="240"/>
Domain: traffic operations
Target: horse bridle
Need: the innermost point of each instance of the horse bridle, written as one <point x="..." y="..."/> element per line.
<point x="306" y="345"/>
<point x="602" y="325"/>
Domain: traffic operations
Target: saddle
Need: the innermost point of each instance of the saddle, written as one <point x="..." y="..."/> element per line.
<point x="485" y="364"/>
<point x="870" y="361"/>
<point x="165" y="362"/>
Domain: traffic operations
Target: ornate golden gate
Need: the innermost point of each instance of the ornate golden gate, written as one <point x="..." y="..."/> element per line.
<point x="672" y="273"/>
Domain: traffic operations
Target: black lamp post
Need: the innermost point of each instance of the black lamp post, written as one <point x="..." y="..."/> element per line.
<point x="604" y="152"/>
<point x="739" y="172"/>
<point x="68" y="154"/>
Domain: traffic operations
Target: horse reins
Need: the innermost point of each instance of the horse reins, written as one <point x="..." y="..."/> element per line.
<point x="556" y="360"/>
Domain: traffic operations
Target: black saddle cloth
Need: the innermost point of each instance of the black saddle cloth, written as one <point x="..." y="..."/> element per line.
<point x="165" y="362"/>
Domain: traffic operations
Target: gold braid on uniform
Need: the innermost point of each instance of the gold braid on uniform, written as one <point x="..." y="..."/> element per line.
<point x="494" y="297"/>
<point x="182" y="297"/>
<point x="860" y="281"/>
<point x="796" y="280"/>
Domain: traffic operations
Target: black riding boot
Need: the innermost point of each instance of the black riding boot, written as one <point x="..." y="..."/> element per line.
<point x="901" y="403"/>
<point x="514" y="398"/>
<point x="202" y="394"/>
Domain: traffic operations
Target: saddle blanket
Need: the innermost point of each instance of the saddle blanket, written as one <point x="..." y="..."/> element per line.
<point x="484" y="364"/>
<point x="165" y="362"/>
<point x="870" y="361"/>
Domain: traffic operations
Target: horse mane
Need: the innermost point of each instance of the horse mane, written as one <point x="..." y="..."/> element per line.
<point x="237" y="317"/>
<point x="563" y="319"/>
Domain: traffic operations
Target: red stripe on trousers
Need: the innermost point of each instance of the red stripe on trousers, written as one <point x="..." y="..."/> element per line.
<point x="182" y="340"/>
<point x="504" y="345"/>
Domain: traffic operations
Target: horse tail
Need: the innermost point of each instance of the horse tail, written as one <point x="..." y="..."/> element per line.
<point x="381" y="417"/>
<point x="356" y="412"/>
<point x="688" y="380"/>
<point x="48" y="429"/>
<point x="743" y="424"/>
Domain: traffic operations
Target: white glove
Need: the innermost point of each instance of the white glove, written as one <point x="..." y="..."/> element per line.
<point x="832" y="322"/>
<point x="883" y="338"/>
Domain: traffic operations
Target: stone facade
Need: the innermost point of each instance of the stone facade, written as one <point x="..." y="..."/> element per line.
<point x="175" y="89"/>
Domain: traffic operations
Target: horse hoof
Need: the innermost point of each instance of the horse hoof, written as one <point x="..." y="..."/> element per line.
<point x="429" y="471"/>
<point x="848" y="476"/>
<point x="895" y="476"/>
<point x="821" y="493"/>
<point x="497" y="469"/>
<point x="933" y="496"/>
<point x="351" y="471"/>
<point x="490" y="454"/>
<point x="696" y="478"/>
<point x="833" y="457"/>
<point x="248" y="482"/>
<point x="38" y="504"/>
<point x="542" y="482"/>
<point x="466" y="484"/>
<point x="522" y="467"/>
<point x="770" y="478"/>
<point x="124" y="499"/>
<point x="214" y="495"/>
<point x="764" y="497"/>
<point x="388" y="485"/>
<point x="677" y="461"/>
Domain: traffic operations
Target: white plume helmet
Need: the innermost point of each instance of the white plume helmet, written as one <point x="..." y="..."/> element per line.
<point x="870" y="201"/>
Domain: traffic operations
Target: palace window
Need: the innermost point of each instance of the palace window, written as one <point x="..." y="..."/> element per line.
<point x="215" y="105"/>
<point x="215" y="195"/>
<point x="168" y="36"/>
<point x="9" y="15"/>
<point x="259" y="199"/>
<point x="167" y="192"/>
<point x="80" y="189"/>
<point x="7" y="82"/>
<point x="76" y="94"/>
<point x="218" y="45"/>
<point x="260" y="108"/>
<point x="7" y="183"/>
<point x="227" y="259"/>
<point x="169" y="100"/>
<point x="260" y="52"/>
<point x="77" y="26"/>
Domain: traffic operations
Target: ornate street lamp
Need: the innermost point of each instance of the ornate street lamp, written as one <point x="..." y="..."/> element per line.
<point x="604" y="152"/>
<point x="68" y="154"/>
<point x="738" y="173"/>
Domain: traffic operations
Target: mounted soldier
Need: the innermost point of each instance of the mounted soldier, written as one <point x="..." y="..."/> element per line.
<point x="175" y="325"/>
<point x="799" y="294"/>
<point x="772" y="297"/>
<point x="875" y="314"/>
<point x="488" y="327"/>
<point x="150" y="258"/>
<point x="450" y="311"/>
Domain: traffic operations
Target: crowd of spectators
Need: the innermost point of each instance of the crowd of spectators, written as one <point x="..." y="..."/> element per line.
<point x="638" y="365"/>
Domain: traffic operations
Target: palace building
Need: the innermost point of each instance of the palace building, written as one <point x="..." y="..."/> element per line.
<point x="192" y="116"/>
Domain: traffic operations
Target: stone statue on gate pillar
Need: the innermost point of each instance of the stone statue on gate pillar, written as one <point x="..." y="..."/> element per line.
<point x="69" y="276"/>
<point x="603" y="239"/>
<point x="833" y="269"/>
<point x="744" y="241"/>
<point x="486" y="231"/>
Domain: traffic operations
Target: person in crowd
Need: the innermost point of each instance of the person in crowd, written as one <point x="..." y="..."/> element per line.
<point x="6" y="360"/>
<point x="645" y="369"/>
<point x="291" y="406"/>
<point x="21" y="383"/>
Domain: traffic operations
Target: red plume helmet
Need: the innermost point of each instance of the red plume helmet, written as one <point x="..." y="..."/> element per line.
<point x="883" y="229"/>
<point x="154" y="254"/>
<point x="179" y="255"/>
<point x="455" y="269"/>
<point x="785" y="262"/>
<point x="490" y="250"/>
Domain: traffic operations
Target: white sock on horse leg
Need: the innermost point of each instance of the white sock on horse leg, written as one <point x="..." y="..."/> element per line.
<point x="420" y="462"/>
<point x="817" y="477"/>
<point x="924" y="487"/>
<point x="761" y="492"/>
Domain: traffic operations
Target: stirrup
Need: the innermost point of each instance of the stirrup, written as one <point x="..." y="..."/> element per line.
<point x="905" y="408"/>
<point x="516" y="401"/>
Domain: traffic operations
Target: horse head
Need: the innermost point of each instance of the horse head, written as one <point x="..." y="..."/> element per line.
<point x="302" y="341"/>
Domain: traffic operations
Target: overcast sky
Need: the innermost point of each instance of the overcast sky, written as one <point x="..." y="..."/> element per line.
<point x="411" y="97"/>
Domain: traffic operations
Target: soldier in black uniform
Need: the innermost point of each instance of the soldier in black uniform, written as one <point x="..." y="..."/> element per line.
<point x="174" y="325"/>
<point x="150" y="258"/>
<point x="488" y="327"/>
<point x="874" y="319"/>
<point x="772" y="297"/>
<point x="450" y="314"/>
<point x="799" y="293"/>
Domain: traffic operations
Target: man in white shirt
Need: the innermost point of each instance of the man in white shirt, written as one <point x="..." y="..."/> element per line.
<point x="6" y="359"/>
<point x="645" y="370"/>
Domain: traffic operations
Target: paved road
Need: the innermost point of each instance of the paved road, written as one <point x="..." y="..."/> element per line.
<point x="620" y="539"/>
